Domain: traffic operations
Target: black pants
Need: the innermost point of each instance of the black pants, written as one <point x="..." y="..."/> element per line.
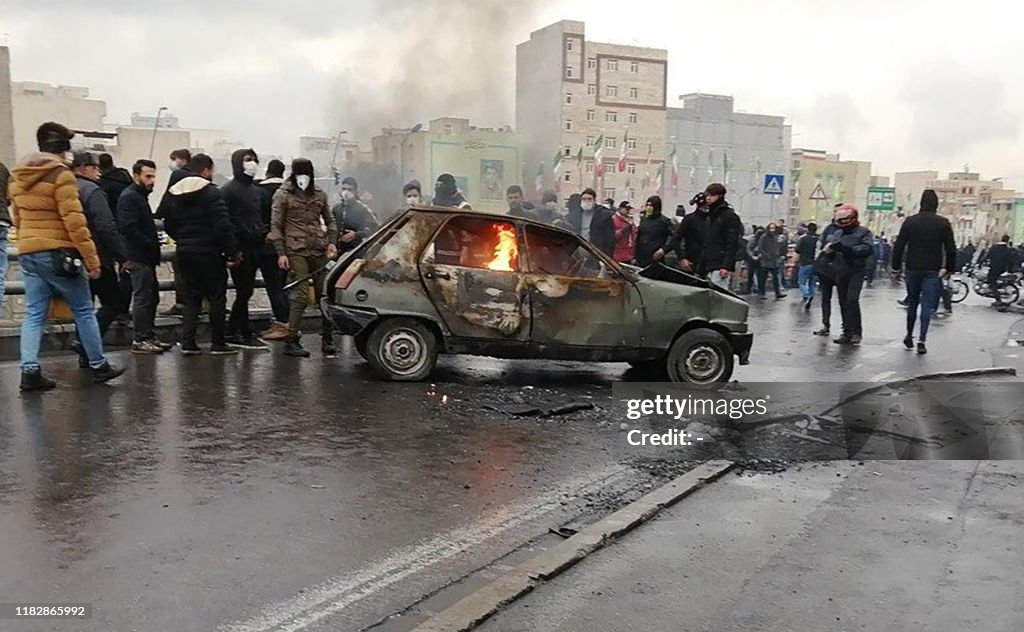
<point x="107" y="289"/>
<point x="205" y="278"/>
<point x="827" y="284"/>
<point x="124" y="284"/>
<point x="244" y="276"/>
<point x="180" y="285"/>
<point x="273" y="279"/>
<point x="849" y="287"/>
<point x="762" y="280"/>
<point x="145" y="298"/>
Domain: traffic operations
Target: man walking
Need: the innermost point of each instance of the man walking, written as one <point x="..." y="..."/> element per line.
<point x="56" y="253"/>
<point x="805" y="250"/>
<point x="273" y="277"/>
<point x="724" y="231"/>
<point x="243" y="202"/>
<point x="178" y="165"/>
<point x="142" y="247"/>
<point x="826" y="276"/>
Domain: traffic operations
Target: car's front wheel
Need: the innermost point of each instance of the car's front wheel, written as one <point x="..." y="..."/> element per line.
<point x="701" y="356"/>
<point x="402" y="349"/>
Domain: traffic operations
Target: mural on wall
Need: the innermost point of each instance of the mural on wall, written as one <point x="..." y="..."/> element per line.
<point x="492" y="180"/>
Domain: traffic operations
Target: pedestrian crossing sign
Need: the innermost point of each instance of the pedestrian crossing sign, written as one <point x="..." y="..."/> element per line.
<point x="818" y="193"/>
<point x="773" y="183"/>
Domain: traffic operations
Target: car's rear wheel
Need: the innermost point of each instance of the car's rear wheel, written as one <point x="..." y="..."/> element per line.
<point x="700" y="356"/>
<point x="402" y="349"/>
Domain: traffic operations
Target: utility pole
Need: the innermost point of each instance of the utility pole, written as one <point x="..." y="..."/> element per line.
<point x="156" y="124"/>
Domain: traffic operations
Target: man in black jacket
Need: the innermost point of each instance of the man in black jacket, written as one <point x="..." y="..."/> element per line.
<point x="179" y="160"/>
<point x="927" y="239"/>
<point x="592" y="222"/>
<point x="689" y="237"/>
<point x="724" y="231"/>
<point x="847" y="251"/>
<point x="142" y="247"/>
<point x="654" y="233"/>
<point x="273" y="277"/>
<point x="197" y="219"/>
<point x="244" y="209"/>
<point x="109" y="245"/>
<point x="806" y="247"/>
<point x="355" y="220"/>
<point x="113" y="180"/>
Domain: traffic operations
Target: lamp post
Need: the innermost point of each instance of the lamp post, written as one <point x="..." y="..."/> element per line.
<point x="337" y="141"/>
<point x="415" y="128"/>
<point x="156" y="124"/>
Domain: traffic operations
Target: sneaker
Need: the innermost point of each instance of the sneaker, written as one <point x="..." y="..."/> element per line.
<point x="855" y="339"/>
<point x="824" y="332"/>
<point x="921" y="349"/>
<point x="843" y="340"/>
<point x="190" y="349"/>
<point x="250" y="342"/>
<point x="294" y="348"/>
<point x="780" y="295"/>
<point x="329" y="350"/>
<point x="146" y="347"/>
<point x="83" y="359"/>
<point x="34" y="381"/>
<point x="166" y="346"/>
<point x="276" y="331"/>
<point x="807" y="303"/>
<point x="902" y="302"/>
<point x="105" y="373"/>
<point x="908" y="342"/>
<point x="173" y="311"/>
<point x="222" y="349"/>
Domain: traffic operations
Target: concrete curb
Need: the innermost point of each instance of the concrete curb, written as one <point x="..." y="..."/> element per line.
<point x="483" y="603"/>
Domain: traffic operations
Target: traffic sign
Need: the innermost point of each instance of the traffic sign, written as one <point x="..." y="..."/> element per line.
<point x="773" y="183"/>
<point x="818" y="193"/>
<point x="881" y="198"/>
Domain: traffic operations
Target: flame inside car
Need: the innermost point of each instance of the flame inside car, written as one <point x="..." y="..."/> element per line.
<point x="506" y="250"/>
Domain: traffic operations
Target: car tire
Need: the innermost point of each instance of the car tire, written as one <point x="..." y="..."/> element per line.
<point x="402" y="350"/>
<point x="700" y="356"/>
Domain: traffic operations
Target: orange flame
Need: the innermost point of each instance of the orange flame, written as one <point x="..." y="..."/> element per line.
<point x="506" y="250"/>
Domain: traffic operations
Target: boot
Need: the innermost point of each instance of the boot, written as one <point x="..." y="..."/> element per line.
<point x="34" y="381"/>
<point x="294" y="348"/>
<point x="105" y="373"/>
<point x="276" y="331"/>
<point x="83" y="359"/>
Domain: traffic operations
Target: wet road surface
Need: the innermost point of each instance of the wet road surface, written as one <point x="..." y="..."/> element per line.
<point x="262" y="492"/>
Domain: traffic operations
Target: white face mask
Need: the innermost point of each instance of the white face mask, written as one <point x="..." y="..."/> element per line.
<point x="412" y="200"/>
<point x="302" y="181"/>
<point x="250" y="168"/>
<point x="173" y="166"/>
<point x="587" y="206"/>
<point x="69" y="156"/>
<point x="347" y="195"/>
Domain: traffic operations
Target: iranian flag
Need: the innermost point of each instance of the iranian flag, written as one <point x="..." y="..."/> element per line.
<point x="622" y="152"/>
<point x="675" y="170"/>
<point x="658" y="178"/>
<point x="598" y="155"/>
<point x="539" y="182"/>
<point x="556" y="171"/>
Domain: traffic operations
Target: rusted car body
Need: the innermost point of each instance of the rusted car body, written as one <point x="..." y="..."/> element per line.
<point x="441" y="280"/>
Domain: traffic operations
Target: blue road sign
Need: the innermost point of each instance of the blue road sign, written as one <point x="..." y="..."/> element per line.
<point x="773" y="183"/>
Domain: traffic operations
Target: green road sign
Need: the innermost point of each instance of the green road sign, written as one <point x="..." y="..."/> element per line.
<point x="881" y="198"/>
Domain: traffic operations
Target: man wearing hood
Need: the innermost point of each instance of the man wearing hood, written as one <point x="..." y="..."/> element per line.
<point x="847" y="251"/>
<point x="113" y="180"/>
<point x="926" y="241"/>
<point x="592" y="222"/>
<point x="56" y="253"/>
<point x="548" y="211"/>
<point x="300" y="208"/>
<point x="354" y="219"/>
<point x="446" y="193"/>
<point x="197" y="220"/>
<point x="654" y="233"/>
<point x="243" y="201"/>
<point x="724" y="231"/>
<point x="273" y="277"/>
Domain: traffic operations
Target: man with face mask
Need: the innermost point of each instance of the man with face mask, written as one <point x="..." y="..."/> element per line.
<point x="848" y="249"/>
<point x="654" y="233"/>
<point x="135" y="221"/>
<point x="446" y="193"/>
<point x="413" y="194"/>
<point x="178" y="165"/>
<point x="592" y="222"/>
<point x="299" y="210"/>
<point x="243" y="202"/>
<point x="273" y="277"/>
<point x="549" y="211"/>
<point x="354" y="219"/>
<point x="55" y="252"/>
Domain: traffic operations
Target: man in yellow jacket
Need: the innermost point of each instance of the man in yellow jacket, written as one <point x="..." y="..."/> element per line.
<point x="56" y="253"/>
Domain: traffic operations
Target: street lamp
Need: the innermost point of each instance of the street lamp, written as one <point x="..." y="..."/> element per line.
<point x="337" y="141"/>
<point x="156" y="124"/>
<point x="415" y="128"/>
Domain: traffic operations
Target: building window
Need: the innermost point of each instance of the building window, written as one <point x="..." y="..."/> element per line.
<point x="634" y="93"/>
<point x="611" y="142"/>
<point x="631" y="143"/>
<point x="611" y="91"/>
<point x="632" y="117"/>
<point x="568" y="98"/>
<point x="448" y="130"/>
<point x="567" y="151"/>
<point x="591" y="89"/>
<point x="568" y="45"/>
<point x="611" y="117"/>
<point x="631" y="194"/>
<point x="568" y="72"/>
<point x="611" y="64"/>
<point x="592" y="64"/>
<point x="568" y="125"/>
<point x="631" y="168"/>
<point x="567" y="176"/>
<point x="591" y="115"/>
<point x="634" y="66"/>
<point x="590" y="166"/>
<point x="590" y="141"/>
<point x="609" y="192"/>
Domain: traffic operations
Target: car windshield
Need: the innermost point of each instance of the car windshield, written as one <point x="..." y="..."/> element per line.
<point x="553" y="252"/>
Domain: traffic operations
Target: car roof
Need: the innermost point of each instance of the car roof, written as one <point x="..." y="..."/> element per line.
<point x="448" y="210"/>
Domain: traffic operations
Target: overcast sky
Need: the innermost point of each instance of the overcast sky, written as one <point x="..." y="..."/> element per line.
<point x="906" y="84"/>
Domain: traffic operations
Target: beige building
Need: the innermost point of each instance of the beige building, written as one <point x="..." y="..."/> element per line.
<point x="327" y="152"/>
<point x="484" y="161"/>
<point x="7" y="151"/>
<point x="979" y="209"/>
<point x="571" y="93"/>
<point x="820" y="180"/>
<point x="35" y="103"/>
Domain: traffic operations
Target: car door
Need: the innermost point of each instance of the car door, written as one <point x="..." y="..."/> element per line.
<point x="576" y="296"/>
<point x="472" y="272"/>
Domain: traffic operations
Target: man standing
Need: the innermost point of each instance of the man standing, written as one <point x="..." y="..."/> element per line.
<point x="625" y="234"/>
<point x="302" y="248"/>
<point x="515" y="198"/>
<point x="847" y="251"/>
<point x="273" y="277"/>
<point x="113" y="180"/>
<point x="197" y="220"/>
<point x="724" y="231"/>
<point x="688" y="239"/>
<point x="654" y="232"/>
<point x="355" y="220"/>
<point x="805" y="251"/>
<point x="826" y="277"/>
<point x="413" y="193"/>
<point x="593" y="222"/>
<point x="55" y="251"/>
<point x="109" y="244"/>
<point x="5" y="227"/>
<point x="927" y="240"/>
<point x="446" y="193"/>
<point x="178" y="165"/>
<point x="142" y="247"/>
<point x="243" y="202"/>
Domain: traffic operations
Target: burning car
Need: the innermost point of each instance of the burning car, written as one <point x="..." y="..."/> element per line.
<point x="441" y="280"/>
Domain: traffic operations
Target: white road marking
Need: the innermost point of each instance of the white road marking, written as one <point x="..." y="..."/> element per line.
<point x="337" y="593"/>
<point x="881" y="377"/>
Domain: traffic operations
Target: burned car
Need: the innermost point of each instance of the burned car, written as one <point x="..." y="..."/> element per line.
<point x="441" y="280"/>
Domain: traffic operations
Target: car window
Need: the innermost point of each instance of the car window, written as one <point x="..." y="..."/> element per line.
<point x="474" y="242"/>
<point x="554" y="252"/>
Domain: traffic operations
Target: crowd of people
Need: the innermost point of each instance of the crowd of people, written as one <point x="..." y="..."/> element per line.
<point x="87" y="233"/>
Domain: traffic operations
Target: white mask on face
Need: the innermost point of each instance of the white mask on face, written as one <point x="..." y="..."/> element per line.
<point x="587" y="206"/>
<point x="69" y="156"/>
<point x="250" y="168"/>
<point x="302" y="181"/>
<point x="173" y="166"/>
<point x="347" y="195"/>
<point x="412" y="200"/>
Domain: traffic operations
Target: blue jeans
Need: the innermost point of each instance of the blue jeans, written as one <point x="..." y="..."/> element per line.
<point x="41" y="285"/>
<point x="924" y="288"/>
<point x="3" y="266"/>
<point x="805" y="280"/>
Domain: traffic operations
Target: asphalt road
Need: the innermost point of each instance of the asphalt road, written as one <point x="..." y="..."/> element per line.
<point x="261" y="492"/>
